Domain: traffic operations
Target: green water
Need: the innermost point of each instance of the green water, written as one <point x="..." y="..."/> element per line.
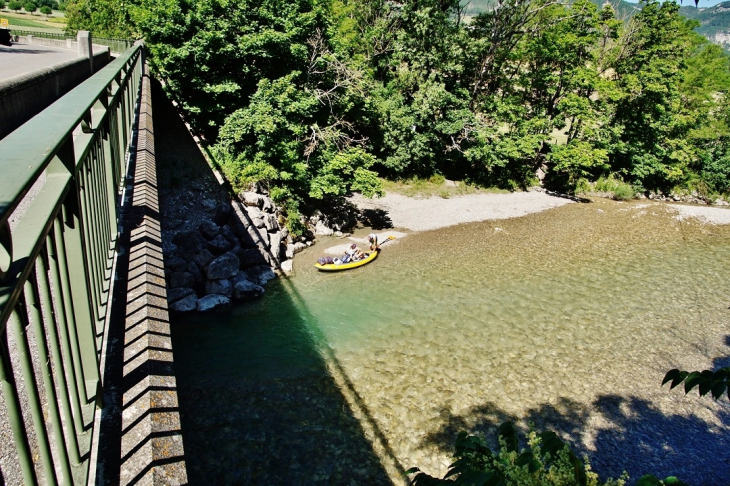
<point x="566" y="319"/>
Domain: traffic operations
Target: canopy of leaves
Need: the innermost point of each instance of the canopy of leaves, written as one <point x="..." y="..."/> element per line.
<point x="316" y="97"/>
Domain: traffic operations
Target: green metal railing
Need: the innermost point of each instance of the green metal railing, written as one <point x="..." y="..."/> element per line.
<point x="116" y="45"/>
<point x="45" y="35"/>
<point x="61" y="175"/>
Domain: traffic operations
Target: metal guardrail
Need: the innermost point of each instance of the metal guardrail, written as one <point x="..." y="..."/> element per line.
<point x="62" y="170"/>
<point x="116" y="45"/>
<point x="46" y="35"/>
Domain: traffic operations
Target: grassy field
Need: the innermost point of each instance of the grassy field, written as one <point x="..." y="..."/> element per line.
<point x="38" y="23"/>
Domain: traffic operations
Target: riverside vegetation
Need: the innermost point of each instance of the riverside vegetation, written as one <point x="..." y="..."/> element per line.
<point x="316" y="98"/>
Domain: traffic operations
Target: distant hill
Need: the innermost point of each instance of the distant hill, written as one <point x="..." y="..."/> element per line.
<point x="714" y="21"/>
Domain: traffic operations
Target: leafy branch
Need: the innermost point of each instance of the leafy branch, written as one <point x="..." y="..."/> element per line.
<point x="715" y="382"/>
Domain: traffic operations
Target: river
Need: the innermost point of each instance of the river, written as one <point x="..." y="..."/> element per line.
<point x="565" y="320"/>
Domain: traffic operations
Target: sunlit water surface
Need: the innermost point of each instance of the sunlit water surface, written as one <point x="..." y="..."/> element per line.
<point x="567" y="320"/>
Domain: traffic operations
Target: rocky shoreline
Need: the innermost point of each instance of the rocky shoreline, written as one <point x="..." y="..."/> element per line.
<point x="234" y="247"/>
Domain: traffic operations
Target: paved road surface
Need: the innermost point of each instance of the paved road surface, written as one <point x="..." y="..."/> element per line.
<point x="25" y="58"/>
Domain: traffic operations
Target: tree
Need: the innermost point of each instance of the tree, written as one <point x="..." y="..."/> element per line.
<point x="30" y="7"/>
<point x="651" y="147"/>
<point x="15" y="5"/>
<point x="46" y="10"/>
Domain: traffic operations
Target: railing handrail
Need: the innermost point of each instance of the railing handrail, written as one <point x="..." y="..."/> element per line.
<point x="40" y="138"/>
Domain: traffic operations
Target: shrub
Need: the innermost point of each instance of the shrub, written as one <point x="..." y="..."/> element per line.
<point x="622" y="191"/>
<point x="46" y="10"/>
<point x="547" y="461"/>
<point x="13" y="5"/>
<point x="30" y="7"/>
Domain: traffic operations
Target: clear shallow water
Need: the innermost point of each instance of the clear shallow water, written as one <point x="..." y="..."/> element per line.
<point x="566" y="319"/>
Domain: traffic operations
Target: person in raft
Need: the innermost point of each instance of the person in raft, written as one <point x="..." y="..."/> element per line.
<point x="354" y="253"/>
<point x="373" y="240"/>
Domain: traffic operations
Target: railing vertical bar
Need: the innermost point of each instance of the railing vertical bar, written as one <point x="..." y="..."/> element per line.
<point x="32" y="296"/>
<point x="106" y="197"/>
<point x="62" y="302"/>
<point x="15" y="414"/>
<point x="71" y="334"/>
<point x="125" y="116"/>
<point x="97" y="215"/>
<point x="43" y="287"/>
<point x="77" y="265"/>
<point x="18" y="322"/>
<point x="110" y="183"/>
<point x="88" y="238"/>
<point x="102" y="221"/>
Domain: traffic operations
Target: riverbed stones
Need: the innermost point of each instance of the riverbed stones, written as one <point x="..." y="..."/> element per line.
<point x="225" y="266"/>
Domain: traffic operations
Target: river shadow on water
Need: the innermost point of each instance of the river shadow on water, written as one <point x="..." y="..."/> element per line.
<point x="258" y="403"/>
<point x="565" y="320"/>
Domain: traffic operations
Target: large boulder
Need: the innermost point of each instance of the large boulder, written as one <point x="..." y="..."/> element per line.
<point x="189" y="240"/>
<point x="173" y="295"/>
<point x="222" y="213"/>
<point x="254" y="212"/>
<point x="245" y="290"/>
<point x="276" y="240"/>
<point x="209" y="229"/>
<point x="225" y="266"/>
<point x="287" y="267"/>
<point x="175" y="264"/>
<point x="251" y="198"/>
<point x="203" y="258"/>
<point x="222" y="287"/>
<point x="219" y="245"/>
<point x="271" y="223"/>
<point x="254" y="256"/>
<point x="260" y="274"/>
<point x="184" y="305"/>
<point x="323" y="229"/>
<point x="214" y="302"/>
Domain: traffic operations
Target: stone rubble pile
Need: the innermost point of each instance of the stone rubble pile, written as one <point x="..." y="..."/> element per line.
<point x="227" y="255"/>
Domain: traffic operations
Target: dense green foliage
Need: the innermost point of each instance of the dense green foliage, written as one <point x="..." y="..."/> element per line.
<point x="15" y="5"/>
<point x="547" y="461"/>
<point x="315" y="98"/>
